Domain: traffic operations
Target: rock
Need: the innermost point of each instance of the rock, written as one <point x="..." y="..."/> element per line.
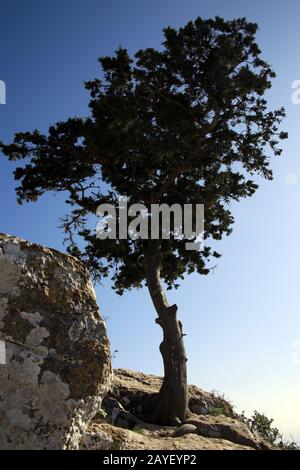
<point x="117" y="415"/>
<point x="137" y="393"/>
<point x="112" y="408"/>
<point x="134" y="393"/>
<point x="202" y="402"/>
<point x="92" y="440"/>
<point x="143" y="439"/>
<point x="227" y="428"/>
<point x="57" y="352"/>
<point x="185" y="429"/>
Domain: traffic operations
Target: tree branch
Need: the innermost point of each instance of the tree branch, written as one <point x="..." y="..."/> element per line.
<point x="185" y="165"/>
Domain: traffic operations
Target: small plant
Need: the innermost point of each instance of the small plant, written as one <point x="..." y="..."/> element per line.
<point x="101" y="414"/>
<point x="138" y="431"/>
<point x="216" y="411"/>
<point x="288" y="445"/>
<point x="221" y="403"/>
<point x="262" y="425"/>
<point x="114" y="354"/>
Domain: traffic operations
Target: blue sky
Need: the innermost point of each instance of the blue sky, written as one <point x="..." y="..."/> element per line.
<point x="242" y="320"/>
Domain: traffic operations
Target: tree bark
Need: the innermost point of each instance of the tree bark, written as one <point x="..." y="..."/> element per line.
<point x="172" y="402"/>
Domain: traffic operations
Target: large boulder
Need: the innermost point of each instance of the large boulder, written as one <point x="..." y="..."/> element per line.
<point x="57" y="353"/>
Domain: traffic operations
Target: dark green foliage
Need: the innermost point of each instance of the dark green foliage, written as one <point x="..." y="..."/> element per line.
<point x="262" y="425"/>
<point x="185" y="124"/>
<point x="216" y="411"/>
<point x="258" y="422"/>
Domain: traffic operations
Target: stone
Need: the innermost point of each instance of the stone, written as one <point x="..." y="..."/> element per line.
<point x="96" y="441"/>
<point x="112" y="408"/>
<point x="117" y="415"/>
<point x="223" y="427"/>
<point x="137" y="392"/>
<point x="58" y="365"/>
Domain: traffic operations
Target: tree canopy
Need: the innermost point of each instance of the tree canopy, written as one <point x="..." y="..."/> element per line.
<point x="186" y="124"/>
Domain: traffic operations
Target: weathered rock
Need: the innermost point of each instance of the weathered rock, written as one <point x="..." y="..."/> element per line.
<point x="58" y="358"/>
<point x="117" y="415"/>
<point x="137" y="393"/>
<point x="227" y="428"/>
<point x="111" y="408"/>
<point x="202" y="402"/>
<point x="96" y="440"/>
<point x="144" y="439"/>
<point x="133" y="393"/>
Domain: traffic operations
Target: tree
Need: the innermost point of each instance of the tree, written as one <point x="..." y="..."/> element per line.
<point x="185" y="124"/>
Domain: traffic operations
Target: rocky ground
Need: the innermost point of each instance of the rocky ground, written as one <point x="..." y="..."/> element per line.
<point x="122" y="422"/>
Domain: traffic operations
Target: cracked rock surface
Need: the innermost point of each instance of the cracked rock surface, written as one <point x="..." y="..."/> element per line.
<point x="123" y="424"/>
<point x="57" y="353"/>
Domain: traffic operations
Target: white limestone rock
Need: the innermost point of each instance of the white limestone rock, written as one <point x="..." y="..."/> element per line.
<point x="57" y="353"/>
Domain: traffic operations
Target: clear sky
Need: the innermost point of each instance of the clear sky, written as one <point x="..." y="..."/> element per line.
<point x="243" y="319"/>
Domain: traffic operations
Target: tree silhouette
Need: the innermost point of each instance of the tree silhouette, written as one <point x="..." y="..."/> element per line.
<point x="186" y="124"/>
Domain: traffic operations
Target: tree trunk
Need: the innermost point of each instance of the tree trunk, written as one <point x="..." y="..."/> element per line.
<point x="172" y="402"/>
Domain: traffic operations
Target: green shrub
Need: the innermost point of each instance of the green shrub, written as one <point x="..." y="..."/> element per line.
<point x="216" y="411"/>
<point x="262" y="425"/>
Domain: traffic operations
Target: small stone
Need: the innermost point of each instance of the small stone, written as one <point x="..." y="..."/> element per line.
<point x="185" y="429"/>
